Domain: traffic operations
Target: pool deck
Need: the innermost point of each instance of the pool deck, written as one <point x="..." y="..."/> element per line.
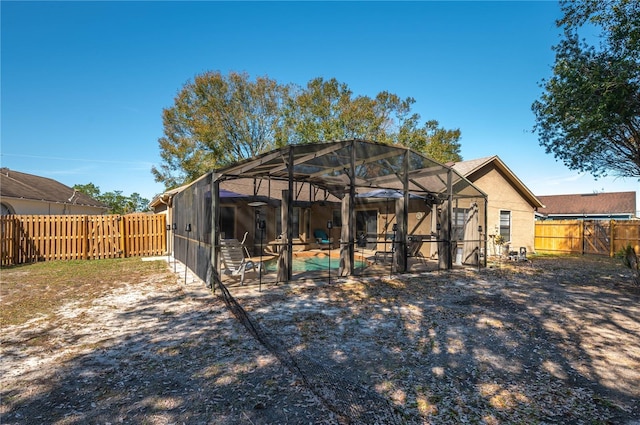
<point x="377" y="265"/>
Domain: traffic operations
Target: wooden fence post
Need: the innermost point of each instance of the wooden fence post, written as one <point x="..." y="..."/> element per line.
<point x="612" y="223"/>
<point x="123" y="237"/>
<point x="84" y="238"/>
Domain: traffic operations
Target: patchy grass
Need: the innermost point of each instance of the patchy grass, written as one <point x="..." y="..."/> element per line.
<point x="37" y="290"/>
<point x="551" y="340"/>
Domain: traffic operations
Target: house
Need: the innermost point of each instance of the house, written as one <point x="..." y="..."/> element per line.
<point x="589" y="206"/>
<point x="28" y="194"/>
<point x="511" y="209"/>
<point x="511" y="206"/>
<point x="369" y="197"/>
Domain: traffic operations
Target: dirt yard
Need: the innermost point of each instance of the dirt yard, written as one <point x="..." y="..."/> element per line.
<point x="550" y="341"/>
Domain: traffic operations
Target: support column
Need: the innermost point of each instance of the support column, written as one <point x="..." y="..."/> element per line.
<point x="402" y="219"/>
<point x="215" y="226"/>
<point x="399" y="241"/>
<point x="285" y="255"/>
<point x="346" y="238"/>
<point x="445" y="221"/>
<point x="444" y="238"/>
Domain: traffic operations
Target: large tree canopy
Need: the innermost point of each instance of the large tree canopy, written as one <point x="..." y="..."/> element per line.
<point x="589" y="113"/>
<point x="217" y="120"/>
<point x="434" y="141"/>
<point x="327" y="110"/>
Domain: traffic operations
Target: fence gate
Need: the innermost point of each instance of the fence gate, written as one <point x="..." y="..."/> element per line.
<point x="596" y="237"/>
<point x="104" y="235"/>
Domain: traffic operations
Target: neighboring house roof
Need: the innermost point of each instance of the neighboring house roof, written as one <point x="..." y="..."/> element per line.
<point x="17" y="185"/>
<point x="469" y="168"/>
<point x="612" y="204"/>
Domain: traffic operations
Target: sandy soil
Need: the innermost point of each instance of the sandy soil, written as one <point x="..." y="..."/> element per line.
<point x="547" y="341"/>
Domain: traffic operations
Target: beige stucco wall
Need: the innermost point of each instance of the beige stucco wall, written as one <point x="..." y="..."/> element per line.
<point x="30" y="207"/>
<point x="502" y="195"/>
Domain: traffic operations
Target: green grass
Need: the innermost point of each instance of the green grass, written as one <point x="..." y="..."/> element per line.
<point x="36" y="290"/>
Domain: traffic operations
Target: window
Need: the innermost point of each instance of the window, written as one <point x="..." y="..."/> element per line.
<point x="505" y="225"/>
<point x="295" y="224"/>
<point x="367" y="228"/>
<point x="227" y="222"/>
<point x="460" y="216"/>
<point x="337" y="218"/>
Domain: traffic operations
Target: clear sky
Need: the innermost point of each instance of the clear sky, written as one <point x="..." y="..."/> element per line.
<point x="84" y="83"/>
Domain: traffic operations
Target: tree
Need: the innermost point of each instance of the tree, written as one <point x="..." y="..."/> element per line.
<point x="327" y="110"/>
<point x="589" y="113"/>
<point x="218" y="120"/>
<point x="215" y="121"/>
<point x="433" y="141"/>
<point x="116" y="201"/>
<point x="136" y="203"/>
<point x="89" y="189"/>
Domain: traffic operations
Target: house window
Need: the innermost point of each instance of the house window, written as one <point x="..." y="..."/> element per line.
<point x="227" y="222"/>
<point x="505" y="225"/>
<point x="337" y="218"/>
<point x="367" y="228"/>
<point x="460" y="216"/>
<point x="295" y="224"/>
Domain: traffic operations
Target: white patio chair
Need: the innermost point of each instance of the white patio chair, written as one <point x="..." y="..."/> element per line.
<point x="244" y="246"/>
<point x="234" y="262"/>
<point x="414" y="247"/>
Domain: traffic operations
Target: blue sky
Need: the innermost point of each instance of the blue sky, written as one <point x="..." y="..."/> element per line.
<point x="84" y="83"/>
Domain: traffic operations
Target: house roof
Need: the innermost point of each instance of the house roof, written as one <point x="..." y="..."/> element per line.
<point x="470" y="167"/>
<point x="17" y="185"/>
<point x="612" y="203"/>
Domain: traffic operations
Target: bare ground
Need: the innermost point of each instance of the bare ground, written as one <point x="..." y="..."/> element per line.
<point x="554" y="340"/>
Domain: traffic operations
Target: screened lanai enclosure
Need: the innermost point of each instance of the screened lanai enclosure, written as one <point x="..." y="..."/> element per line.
<point x="328" y="210"/>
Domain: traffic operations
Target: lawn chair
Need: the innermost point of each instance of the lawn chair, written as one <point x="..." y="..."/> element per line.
<point x="384" y="256"/>
<point x="244" y="246"/>
<point x="413" y="250"/>
<point x="322" y="238"/>
<point x="234" y="262"/>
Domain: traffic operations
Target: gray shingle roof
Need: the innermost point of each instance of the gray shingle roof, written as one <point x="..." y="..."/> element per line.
<point x="14" y="184"/>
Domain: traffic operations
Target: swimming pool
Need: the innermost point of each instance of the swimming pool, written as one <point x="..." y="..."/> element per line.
<point x="312" y="263"/>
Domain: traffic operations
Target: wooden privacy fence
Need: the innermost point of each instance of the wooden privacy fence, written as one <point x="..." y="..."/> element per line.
<point x="599" y="237"/>
<point x="31" y="238"/>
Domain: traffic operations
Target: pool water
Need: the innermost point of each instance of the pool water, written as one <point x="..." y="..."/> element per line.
<point x="314" y="263"/>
